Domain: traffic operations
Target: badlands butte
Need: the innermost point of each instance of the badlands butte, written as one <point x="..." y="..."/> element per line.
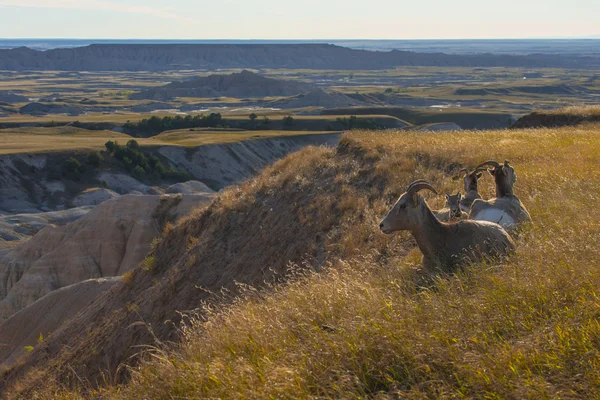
<point x="202" y="221"/>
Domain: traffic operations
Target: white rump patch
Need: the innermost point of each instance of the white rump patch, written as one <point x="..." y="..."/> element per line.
<point x="495" y="215"/>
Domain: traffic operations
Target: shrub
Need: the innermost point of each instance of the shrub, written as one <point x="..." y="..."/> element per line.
<point x="148" y="127"/>
<point x="95" y="158"/>
<point x="133" y="144"/>
<point x="288" y="120"/>
<point x="139" y="172"/>
<point x="110" y="146"/>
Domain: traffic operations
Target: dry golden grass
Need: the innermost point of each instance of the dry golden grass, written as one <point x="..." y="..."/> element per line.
<point x="44" y="140"/>
<point x="579" y="111"/>
<point x="365" y="328"/>
<point x="67" y="138"/>
<point x="188" y="138"/>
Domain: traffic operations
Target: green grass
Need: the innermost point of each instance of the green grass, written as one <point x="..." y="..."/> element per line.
<point x="367" y="327"/>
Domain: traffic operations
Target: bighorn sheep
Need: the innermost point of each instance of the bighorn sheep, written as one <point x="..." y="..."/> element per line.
<point x="471" y="188"/>
<point x="445" y="246"/>
<point x="452" y="211"/>
<point x="506" y="209"/>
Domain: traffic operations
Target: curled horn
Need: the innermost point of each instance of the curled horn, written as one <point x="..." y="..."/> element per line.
<point x="414" y="183"/>
<point x="419" y="185"/>
<point x="490" y="162"/>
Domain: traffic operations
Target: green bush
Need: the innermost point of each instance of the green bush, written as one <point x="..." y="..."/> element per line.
<point x="73" y="168"/>
<point x="95" y="158"/>
<point x="152" y="126"/>
<point x="288" y="121"/>
<point x="141" y="165"/>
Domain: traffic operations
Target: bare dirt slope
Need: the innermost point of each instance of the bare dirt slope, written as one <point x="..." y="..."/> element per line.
<point x="47" y="314"/>
<point x="109" y="241"/>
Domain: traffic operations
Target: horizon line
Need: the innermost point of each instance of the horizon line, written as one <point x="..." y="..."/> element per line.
<point x="593" y="37"/>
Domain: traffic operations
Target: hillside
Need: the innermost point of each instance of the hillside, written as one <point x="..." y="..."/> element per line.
<point x="317" y="98"/>
<point x="570" y="116"/>
<point x="240" y="85"/>
<point x="366" y="322"/>
<point x="161" y="57"/>
<point x="466" y="119"/>
<point x="108" y="241"/>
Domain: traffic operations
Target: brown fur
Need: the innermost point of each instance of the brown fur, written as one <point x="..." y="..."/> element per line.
<point x="452" y="211"/>
<point x="471" y="187"/>
<point x="446" y="246"/>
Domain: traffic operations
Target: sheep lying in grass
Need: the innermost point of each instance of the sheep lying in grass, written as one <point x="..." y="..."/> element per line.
<point x="471" y="186"/>
<point x="445" y="246"/>
<point x="506" y="209"/>
<point x="452" y="211"/>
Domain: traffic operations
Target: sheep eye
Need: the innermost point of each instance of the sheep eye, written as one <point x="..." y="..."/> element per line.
<point x="402" y="206"/>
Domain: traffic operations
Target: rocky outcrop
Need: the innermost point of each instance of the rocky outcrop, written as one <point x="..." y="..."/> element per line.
<point x="46" y="315"/>
<point x="221" y="165"/>
<point x="93" y="197"/>
<point x="161" y="57"/>
<point x="109" y="241"/>
<point x="189" y="187"/>
<point x="318" y="98"/>
<point x="18" y="227"/>
<point x="243" y="84"/>
<point x="19" y="194"/>
<point x="43" y="109"/>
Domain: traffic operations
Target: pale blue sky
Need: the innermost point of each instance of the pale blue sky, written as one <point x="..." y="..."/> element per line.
<point x="299" y="19"/>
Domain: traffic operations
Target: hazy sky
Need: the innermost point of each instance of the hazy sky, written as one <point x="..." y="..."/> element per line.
<point x="298" y="19"/>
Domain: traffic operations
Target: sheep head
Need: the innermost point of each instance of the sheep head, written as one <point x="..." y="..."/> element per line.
<point x="453" y="203"/>
<point x="470" y="179"/>
<point x="405" y="214"/>
<point x="504" y="176"/>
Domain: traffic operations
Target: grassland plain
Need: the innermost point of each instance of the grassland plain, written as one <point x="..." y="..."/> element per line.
<point x="66" y="138"/>
<point x="366" y="326"/>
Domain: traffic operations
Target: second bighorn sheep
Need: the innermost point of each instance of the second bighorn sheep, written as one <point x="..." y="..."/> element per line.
<point x="445" y="246"/>
<point x="506" y="209"/>
<point x="453" y="210"/>
<point x="471" y="186"/>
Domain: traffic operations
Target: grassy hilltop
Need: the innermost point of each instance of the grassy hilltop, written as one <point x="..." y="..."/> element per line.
<point x="363" y="326"/>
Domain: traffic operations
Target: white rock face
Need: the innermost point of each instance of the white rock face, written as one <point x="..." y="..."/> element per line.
<point x="110" y="240"/>
<point x="189" y="187"/>
<point x="221" y="165"/>
<point x="22" y="226"/>
<point x="46" y="315"/>
<point x="93" y="197"/>
<point x="124" y="184"/>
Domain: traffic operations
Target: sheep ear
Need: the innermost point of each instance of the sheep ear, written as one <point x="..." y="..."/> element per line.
<point x="479" y="175"/>
<point x="447" y="197"/>
<point x="459" y="196"/>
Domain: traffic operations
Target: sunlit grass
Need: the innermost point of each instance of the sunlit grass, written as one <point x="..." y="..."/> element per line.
<point x="366" y="327"/>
